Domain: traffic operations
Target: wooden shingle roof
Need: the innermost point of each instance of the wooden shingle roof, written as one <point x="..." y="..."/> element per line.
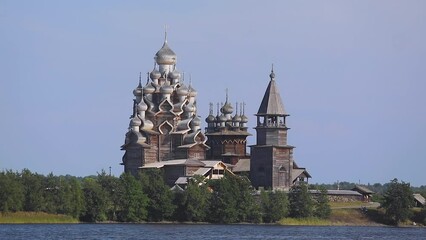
<point x="419" y="198"/>
<point x="271" y="102"/>
<point x="362" y="190"/>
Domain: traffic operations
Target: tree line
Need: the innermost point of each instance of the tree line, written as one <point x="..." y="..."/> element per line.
<point x="146" y="197"/>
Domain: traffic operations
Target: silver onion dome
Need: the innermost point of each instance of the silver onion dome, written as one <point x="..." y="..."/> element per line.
<point x="227" y="108"/>
<point x="135" y="122"/>
<point x="155" y="74"/>
<point x="196" y="121"/>
<point x="244" y="119"/>
<point x="189" y="108"/>
<point x="210" y="119"/>
<point x="182" y="90"/>
<point x="166" y="89"/>
<point x="175" y="74"/>
<point x="148" y="89"/>
<point x="236" y="118"/>
<point x="192" y="92"/>
<point x="165" y="56"/>
<point x="142" y="106"/>
<point x="138" y="90"/>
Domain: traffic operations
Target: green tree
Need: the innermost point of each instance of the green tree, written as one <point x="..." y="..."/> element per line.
<point x="247" y="208"/>
<point x="223" y="204"/>
<point x="33" y="190"/>
<point x="300" y="201"/>
<point x="113" y="189"/>
<point x="94" y="201"/>
<point x="274" y="205"/>
<point x="192" y="204"/>
<point x="397" y="201"/>
<point x="132" y="200"/>
<point x="11" y="192"/>
<point x="52" y="194"/>
<point x="232" y="201"/>
<point x="179" y="201"/>
<point x="322" y="205"/>
<point x="160" y="204"/>
<point x="74" y="198"/>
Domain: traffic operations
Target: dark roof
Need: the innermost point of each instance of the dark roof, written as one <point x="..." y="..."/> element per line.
<point x="362" y="190"/>
<point x="338" y="192"/>
<point x="271" y="103"/>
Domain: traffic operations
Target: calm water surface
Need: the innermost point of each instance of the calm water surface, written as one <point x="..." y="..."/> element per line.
<point x="193" y="231"/>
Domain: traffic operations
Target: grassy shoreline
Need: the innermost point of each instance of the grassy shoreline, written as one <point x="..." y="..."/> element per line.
<point x="34" y="217"/>
<point x="339" y="217"/>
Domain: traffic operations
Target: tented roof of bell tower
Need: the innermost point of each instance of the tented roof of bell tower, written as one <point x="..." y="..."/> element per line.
<point x="272" y="103"/>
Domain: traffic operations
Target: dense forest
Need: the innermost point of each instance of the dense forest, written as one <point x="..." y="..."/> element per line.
<point x="147" y="198"/>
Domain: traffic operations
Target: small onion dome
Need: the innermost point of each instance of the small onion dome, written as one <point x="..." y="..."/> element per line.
<point x="195" y="121"/>
<point x="244" y="119"/>
<point x="222" y="118"/>
<point x="165" y="55"/>
<point x="210" y="119"/>
<point x="236" y="118"/>
<point x="189" y="108"/>
<point x="147" y="125"/>
<point x="135" y="122"/>
<point x="166" y="89"/>
<point x="175" y="74"/>
<point x="227" y="108"/>
<point x="155" y="74"/>
<point x="192" y="92"/>
<point x="142" y="106"/>
<point x="138" y="90"/>
<point x="148" y="89"/>
<point x="182" y="90"/>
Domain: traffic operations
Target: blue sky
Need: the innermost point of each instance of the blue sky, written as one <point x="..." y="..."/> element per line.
<point x="352" y="75"/>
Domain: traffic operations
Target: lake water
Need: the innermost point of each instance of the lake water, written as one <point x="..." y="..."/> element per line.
<point x="201" y="231"/>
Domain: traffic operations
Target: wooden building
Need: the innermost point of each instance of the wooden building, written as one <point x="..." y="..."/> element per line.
<point x="364" y="191"/>
<point x="271" y="162"/>
<point x="164" y="124"/>
<point x="165" y="132"/>
<point x="227" y="133"/>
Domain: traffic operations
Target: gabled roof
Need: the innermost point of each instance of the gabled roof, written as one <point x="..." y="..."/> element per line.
<point x="243" y="165"/>
<point x="362" y="190"/>
<point x="211" y="163"/>
<point x="177" y="188"/>
<point x="271" y="103"/>
<point x="419" y="198"/>
<point x="202" y="171"/>
<point x="182" y="180"/>
<point x="300" y="172"/>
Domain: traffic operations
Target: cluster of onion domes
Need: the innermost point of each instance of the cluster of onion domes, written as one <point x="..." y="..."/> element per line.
<point x="224" y="118"/>
<point x="164" y="82"/>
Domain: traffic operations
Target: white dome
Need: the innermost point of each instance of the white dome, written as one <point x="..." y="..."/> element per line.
<point x="165" y="56"/>
<point x="155" y="74"/>
<point x="142" y="106"/>
<point x="148" y="89"/>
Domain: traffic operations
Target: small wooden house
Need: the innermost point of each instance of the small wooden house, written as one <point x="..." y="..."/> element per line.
<point x="420" y="201"/>
<point x="365" y="192"/>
